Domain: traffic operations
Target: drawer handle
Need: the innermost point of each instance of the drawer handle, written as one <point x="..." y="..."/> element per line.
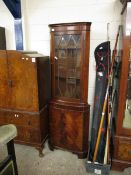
<point x="16" y="115"/>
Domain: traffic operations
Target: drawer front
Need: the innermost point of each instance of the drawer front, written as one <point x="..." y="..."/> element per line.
<point x="28" y="135"/>
<point x="18" y="118"/>
<point x="124" y="150"/>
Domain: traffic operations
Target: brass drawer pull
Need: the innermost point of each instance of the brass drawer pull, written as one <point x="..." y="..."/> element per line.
<point x="17" y="115"/>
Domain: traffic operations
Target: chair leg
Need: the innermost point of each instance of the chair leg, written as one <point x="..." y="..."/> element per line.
<point x="11" y="151"/>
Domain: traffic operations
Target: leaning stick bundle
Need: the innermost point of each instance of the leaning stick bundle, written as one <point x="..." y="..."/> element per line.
<point x="105" y="105"/>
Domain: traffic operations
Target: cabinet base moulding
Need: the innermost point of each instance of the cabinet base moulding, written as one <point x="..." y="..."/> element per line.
<point x="81" y="155"/>
<point x="120" y="165"/>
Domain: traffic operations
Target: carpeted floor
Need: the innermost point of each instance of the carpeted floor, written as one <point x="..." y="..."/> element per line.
<point x="56" y="162"/>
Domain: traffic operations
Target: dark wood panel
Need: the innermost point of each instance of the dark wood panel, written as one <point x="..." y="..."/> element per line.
<point x="44" y="81"/>
<point x="69" y="129"/>
<point x="66" y="131"/>
<point x="71" y="26"/>
<point x="2" y="38"/>
<point x="28" y="135"/>
<point x="44" y="123"/>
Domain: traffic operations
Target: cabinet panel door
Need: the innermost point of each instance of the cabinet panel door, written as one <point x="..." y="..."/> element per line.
<point x="22" y="73"/>
<point x="66" y="129"/>
<point x="124" y="149"/>
<point x="3" y="80"/>
<point x="67" y="64"/>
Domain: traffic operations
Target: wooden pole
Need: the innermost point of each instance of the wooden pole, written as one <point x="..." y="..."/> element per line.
<point x="100" y="127"/>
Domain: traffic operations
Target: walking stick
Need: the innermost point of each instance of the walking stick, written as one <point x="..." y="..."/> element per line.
<point x="106" y="99"/>
<point x="108" y="122"/>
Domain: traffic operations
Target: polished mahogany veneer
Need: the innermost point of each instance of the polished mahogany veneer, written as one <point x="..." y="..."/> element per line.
<point x="68" y="109"/>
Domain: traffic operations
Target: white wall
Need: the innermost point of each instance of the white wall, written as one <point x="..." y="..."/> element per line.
<point x="7" y="21"/>
<point x="37" y="14"/>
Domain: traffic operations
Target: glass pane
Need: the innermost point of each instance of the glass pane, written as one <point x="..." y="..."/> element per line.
<point x="127" y="114"/>
<point x="67" y="65"/>
<point x="57" y="41"/>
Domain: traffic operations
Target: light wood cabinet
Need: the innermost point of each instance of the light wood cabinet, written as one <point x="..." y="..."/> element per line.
<point x="24" y="95"/>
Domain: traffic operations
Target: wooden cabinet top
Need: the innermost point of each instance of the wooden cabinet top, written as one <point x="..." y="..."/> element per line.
<point x="22" y="55"/>
<point x="77" y="26"/>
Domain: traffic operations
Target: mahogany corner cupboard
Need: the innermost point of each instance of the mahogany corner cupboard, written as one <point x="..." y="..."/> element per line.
<point x="122" y="142"/>
<point x="24" y="95"/>
<point x="68" y="108"/>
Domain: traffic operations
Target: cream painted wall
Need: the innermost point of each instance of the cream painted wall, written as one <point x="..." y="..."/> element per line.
<point x="7" y="21"/>
<point x="37" y="14"/>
